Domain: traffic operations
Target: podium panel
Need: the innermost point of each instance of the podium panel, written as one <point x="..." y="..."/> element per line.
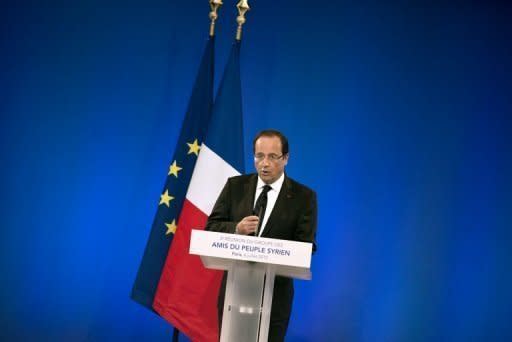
<point x="242" y="303"/>
<point x="252" y="264"/>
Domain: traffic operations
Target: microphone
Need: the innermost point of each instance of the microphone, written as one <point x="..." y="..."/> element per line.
<point x="261" y="205"/>
<point x="260" y="217"/>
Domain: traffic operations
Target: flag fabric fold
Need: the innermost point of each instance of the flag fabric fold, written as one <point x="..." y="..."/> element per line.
<point x="187" y="292"/>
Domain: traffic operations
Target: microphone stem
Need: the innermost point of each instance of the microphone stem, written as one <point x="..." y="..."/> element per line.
<point x="260" y="221"/>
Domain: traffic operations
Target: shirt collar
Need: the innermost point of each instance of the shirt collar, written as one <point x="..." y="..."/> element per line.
<point x="275" y="186"/>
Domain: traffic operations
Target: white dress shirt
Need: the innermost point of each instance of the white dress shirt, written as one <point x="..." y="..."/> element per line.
<point x="271" y="197"/>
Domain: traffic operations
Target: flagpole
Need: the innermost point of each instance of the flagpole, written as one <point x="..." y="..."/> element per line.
<point x="214" y="5"/>
<point x="242" y="7"/>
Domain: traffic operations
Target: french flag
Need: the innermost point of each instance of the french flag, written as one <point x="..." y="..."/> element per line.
<point x="187" y="292"/>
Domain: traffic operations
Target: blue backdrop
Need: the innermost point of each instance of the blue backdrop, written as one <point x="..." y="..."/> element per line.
<point x="399" y="114"/>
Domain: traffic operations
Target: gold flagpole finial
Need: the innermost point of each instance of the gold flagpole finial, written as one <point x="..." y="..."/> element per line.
<point x="243" y="7"/>
<point x="214" y="5"/>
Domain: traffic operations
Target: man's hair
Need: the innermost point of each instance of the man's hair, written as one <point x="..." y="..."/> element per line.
<point x="272" y="133"/>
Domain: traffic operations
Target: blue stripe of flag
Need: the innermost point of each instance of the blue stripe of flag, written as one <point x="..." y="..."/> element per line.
<point x="225" y="132"/>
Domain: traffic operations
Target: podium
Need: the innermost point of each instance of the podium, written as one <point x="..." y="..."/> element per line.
<point x="252" y="264"/>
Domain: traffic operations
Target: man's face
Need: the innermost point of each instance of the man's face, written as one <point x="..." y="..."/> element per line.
<point x="268" y="158"/>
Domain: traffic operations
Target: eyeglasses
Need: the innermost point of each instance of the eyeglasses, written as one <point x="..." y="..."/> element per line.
<point x="272" y="157"/>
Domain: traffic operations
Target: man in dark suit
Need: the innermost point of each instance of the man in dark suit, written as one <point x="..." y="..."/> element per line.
<point x="269" y="204"/>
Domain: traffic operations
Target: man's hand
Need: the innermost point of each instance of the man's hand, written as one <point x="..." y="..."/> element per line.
<point x="248" y="225"/>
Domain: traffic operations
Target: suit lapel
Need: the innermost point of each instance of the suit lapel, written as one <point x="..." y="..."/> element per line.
<point x="249" y="192"/>
<point x="284" y="196"/>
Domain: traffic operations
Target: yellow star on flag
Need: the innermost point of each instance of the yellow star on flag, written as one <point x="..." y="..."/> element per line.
<point x="193" y="148"/>
<point x="171" y="227"/>
<point x="174" y="169"/>
<point x="165" y="198"/>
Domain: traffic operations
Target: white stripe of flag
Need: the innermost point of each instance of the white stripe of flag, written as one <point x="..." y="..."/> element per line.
<point x="209" y="177"/>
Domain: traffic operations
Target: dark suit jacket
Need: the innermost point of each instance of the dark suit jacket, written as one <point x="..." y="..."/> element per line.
<point x="293" y="218"/>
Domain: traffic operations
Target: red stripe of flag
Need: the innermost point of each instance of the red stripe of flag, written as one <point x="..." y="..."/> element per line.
<point x="187" y="307"/>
